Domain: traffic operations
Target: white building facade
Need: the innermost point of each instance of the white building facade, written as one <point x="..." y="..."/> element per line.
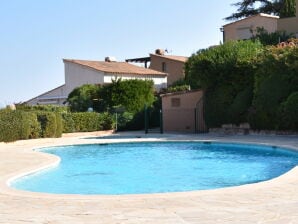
<point x="80" y="72"/>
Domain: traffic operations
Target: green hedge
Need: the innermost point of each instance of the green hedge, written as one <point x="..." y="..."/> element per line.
<point x="276" y="79"/>
<point x="289" y="113"/>
<point x="51" y="124"/>
<point x="59" y="125"/>
<point x="68" y="123"/>
<point x="17" y="125"/>
<point x="87" y="121"/>
<point x="244" y="82"/>
<point x="28" y="124"/>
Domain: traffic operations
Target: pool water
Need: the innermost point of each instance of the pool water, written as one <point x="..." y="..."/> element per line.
<point x="135" y="168"/>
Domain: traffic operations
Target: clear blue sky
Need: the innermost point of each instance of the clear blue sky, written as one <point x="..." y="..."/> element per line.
<point x="36" y="35"/>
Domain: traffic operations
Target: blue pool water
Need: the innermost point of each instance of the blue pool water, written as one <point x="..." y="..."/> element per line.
<point x="134" y="168"/>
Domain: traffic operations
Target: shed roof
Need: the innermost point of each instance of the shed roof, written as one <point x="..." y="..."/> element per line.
<point x="172" y="57"/>
<point x="248" y="18"/>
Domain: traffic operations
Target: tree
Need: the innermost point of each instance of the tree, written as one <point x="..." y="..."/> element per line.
<point x="83" y="97"/>
<point x="266" y="38"/>
<point x="288" y="8"/>
<point x="246" y="8"/>
<point x="225" y="72"/>
<point x="131" y="94"/>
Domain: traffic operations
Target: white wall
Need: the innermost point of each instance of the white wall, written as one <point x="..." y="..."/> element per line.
<point x="77" y="75"/>
<point x="159" y="81"/>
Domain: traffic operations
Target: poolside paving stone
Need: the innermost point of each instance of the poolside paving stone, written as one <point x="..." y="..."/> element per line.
<point x="269" y="202"/>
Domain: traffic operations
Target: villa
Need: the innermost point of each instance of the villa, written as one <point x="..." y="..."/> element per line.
<point x="80" y="72"/>
<point x="290" y="25"/>
<point x="244" y="29"/>
<point x="173" y="65"/>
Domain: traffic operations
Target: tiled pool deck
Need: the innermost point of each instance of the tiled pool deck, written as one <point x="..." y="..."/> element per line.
<point x="274" y="201"/>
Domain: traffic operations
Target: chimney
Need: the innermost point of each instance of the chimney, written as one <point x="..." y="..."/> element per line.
<point x="160" y="51"/>
<point x="110" y="59"/>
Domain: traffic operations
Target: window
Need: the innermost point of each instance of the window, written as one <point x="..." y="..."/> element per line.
<point x="175" y="102"/>
<point x="244" y="33"/>
<point x="164" y="67"/>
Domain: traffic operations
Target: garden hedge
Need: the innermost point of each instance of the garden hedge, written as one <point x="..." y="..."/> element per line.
<point x="87" y="121"/>
<point x="17" y="125"/>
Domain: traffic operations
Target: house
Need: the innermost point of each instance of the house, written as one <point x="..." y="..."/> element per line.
<point x="290" y="25"/>
<point x="243" y="29"/>
<point x="171" y="64"/>
<point x="79" y="72"/>
<point x="183" y="111"/>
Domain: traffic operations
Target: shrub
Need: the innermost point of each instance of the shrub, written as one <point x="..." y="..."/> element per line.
<point x="68" y="123"/>
<point x="48" y="124"/>
<point x="224" y="72"/>
<point x="275" y="79"/>
<point x="81" y="98"/>
<point x="17" y="125"/>
<point x="239" y="110"/>
<point x="289" y="113"/>
<point x="59" y="125"/>
<point x="177" y="88"/>
<point x="34" y="125"/>
<point x="106" y="121"/>
<point x="10" y="125"/>
<point x="46" y="108"/>
<point x="88" y="121"/>
<point x="130" y="94"/>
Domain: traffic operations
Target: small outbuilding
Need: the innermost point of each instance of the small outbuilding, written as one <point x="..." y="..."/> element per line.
<point x="183" y="112"/>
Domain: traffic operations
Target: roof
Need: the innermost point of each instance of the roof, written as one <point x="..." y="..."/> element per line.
<point x="172" y="57"/>
<point x="260" y="14"/>
<point x="142" y="60"/>
<point x="116" y="67"/>
<point x="40" y="96"/>
<point x="181" y="92"/>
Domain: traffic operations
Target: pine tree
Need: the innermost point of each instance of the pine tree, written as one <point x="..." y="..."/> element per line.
<point x="282" y="8"/>
<point x="288" y="9"/>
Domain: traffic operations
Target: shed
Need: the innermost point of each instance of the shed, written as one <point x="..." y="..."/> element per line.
<point x="183" y="112"/>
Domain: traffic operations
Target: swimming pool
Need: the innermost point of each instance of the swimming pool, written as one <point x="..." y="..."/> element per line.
<point x="156" y="167"/>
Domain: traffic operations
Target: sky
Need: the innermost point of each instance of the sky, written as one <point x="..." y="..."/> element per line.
<point x="36" y="35"/>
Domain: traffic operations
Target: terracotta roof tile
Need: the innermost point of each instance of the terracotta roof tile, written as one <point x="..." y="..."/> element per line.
<point x="116" y="67"/>
<point x="173" y="57"/>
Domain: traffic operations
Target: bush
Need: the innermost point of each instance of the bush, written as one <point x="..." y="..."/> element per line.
<point x="46" y="108"/>
<point x="289" y="113"/>
<point x="68" y="123"/>
<point x="130" y="94"/>
<point x="59" y="125"/>
<point x="48" y="124"/>
<point x="83" y="97"/>
<point x="34" y="125"/>
<point x="177" y="88"/>
<point x="238" y="112"/>
<point x="224" y="72"/>
<point x="87" y="121"/>
<point x="275" y="79"/>
<point x="123" y="119"/>
<point x="17" y="125"/>
<point x="106" y="121"/>
<point x="10" y="126"/>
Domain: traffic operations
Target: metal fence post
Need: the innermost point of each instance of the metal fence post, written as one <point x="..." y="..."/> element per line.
<point x="146" y="119"/>
<point x="161" y="122"/>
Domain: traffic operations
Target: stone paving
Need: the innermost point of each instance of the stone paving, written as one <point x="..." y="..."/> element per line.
<point x="274" y="201"/>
